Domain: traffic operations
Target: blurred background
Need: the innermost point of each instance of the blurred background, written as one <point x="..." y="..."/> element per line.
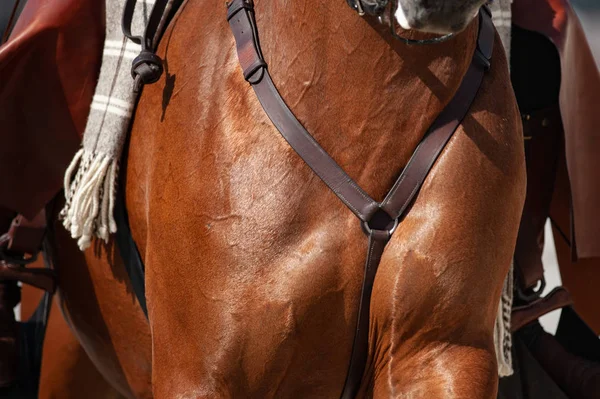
<point x="588" y="12"/>
<point x="589" y="15"/>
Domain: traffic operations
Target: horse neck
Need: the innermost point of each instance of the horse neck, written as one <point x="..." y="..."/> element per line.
<point x="353" y="86"/>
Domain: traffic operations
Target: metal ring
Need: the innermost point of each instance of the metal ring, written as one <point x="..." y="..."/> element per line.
<point x="533" y="294"/>
<point x="367" y="229"/>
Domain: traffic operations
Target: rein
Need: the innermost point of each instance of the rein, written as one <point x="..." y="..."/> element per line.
<point x="147" y="67"/>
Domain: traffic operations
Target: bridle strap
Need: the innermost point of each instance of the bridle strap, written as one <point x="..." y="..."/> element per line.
<point x="378" y="220"/>
<point x="158" y="10"/>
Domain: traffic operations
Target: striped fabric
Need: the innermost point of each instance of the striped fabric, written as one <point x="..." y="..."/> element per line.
<point x="90" y="181"/>
<point x="502" y="16"/>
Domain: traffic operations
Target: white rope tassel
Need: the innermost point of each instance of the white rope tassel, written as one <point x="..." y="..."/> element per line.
<point x="502" y="334"/>
<point x="87" y="212"/>
<point x="69" y="175"/>
<point x="107" y="221"/>
<point x="112" y="193"/>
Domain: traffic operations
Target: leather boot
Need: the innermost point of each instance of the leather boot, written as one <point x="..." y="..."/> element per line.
<point x="577" y="377"/>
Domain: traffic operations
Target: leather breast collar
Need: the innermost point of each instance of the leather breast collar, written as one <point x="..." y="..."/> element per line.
<point x="379" y="220"/>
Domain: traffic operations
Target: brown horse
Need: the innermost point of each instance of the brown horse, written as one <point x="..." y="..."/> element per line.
<point x="67" y="371"/>
<point x="254" y="267"/>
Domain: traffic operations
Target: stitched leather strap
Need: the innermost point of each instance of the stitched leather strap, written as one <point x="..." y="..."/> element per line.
<point x="406" y="187"/>
<point x="243" y="25"/>
<point x="360" y="347"/>
<point x="379" y="220"/>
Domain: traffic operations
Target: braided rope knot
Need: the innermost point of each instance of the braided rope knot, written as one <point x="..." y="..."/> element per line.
<point x="146" y="68"/>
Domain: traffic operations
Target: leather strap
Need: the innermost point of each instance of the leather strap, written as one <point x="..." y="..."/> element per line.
<point x="360" y="347"/>
<point x="379" y="220"/>
<point x="21" y="244"/>
<point x="42" y="278"/>
<point x="558" y="298"/>
<point x="542" y="131"/>
<point x="243" y="25"/>
<point x="147" y="67"/>
<point x="151" y="28"/>
<point x="19" y="247"/>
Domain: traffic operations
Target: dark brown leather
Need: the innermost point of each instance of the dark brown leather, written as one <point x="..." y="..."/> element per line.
<point x="20" y="246"/>
<point x="25" y="236"/>
<point x="542" y="131"/>
<point x="579" y="99"/>
<point x="243" y="26"/>
<point x="41" y="278"/>
<point x="558" y="298"/>
<point x="379" y="220"/>
<point x="577" y="377"/>
<point x="48" y="68"/>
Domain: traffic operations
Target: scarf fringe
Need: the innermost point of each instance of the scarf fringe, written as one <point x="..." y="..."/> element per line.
<point x="502" y="333"/>
<point x="90" y="197"/>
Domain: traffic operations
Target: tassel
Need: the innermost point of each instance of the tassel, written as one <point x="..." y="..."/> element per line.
<point x="88" y="211"/>
<point x="502" y="334"/>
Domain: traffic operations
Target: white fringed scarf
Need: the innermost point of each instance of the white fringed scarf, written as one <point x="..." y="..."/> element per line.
<point x="91" y="179"/>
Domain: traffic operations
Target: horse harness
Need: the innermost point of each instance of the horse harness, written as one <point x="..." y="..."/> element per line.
<point x="379" y="220"/>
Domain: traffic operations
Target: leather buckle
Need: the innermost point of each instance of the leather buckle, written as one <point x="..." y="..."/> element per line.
<point x="532" y="294"/>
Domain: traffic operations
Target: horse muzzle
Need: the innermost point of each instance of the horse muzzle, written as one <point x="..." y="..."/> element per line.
<point x="441" y="19"/>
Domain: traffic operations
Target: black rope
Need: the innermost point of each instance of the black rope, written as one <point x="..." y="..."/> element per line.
<point x="147" y="67"/>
